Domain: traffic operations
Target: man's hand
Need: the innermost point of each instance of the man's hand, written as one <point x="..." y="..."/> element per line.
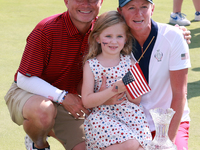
<point x="117" y="99"/>
<point x="74" y="105"/>
<point x="186" y="33"/>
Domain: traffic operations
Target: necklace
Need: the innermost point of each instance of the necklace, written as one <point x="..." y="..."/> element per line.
<point x="146" y="48"/>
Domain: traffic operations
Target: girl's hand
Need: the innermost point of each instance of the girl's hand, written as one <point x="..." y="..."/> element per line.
<point x="117" y="99"/>
<point x="119" y="87"/>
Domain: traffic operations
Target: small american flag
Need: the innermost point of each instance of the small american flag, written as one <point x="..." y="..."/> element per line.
<point x="184" y="56"/>
<point x="135" y="82"/>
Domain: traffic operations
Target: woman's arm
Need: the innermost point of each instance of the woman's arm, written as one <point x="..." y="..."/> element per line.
<point x="179" y="91"/>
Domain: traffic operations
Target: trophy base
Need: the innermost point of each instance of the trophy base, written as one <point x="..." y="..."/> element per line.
<point x="157" y="147"/>
<point x="153" y="146"/>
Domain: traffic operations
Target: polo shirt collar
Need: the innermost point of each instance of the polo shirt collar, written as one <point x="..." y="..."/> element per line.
<point x="144" y="62"/>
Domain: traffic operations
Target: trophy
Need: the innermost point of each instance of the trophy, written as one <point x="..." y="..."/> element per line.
<point x="162" y="119"/>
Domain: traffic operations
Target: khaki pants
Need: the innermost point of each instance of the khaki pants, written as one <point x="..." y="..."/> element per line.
<point x="67" y="129"/>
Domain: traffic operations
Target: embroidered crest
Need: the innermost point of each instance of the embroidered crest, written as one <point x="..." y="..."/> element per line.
<point x="158" y="55"/>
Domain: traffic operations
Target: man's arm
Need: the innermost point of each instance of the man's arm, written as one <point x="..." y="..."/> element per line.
<point x="36" y="85"/>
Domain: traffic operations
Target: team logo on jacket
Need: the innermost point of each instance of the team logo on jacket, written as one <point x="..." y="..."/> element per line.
<point x="158" y="55"/>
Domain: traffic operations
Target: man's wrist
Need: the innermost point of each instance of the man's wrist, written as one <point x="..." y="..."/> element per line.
<point x="62" y="97"/>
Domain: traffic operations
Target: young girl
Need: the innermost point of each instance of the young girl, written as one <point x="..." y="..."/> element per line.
<point x="111" y="127"/>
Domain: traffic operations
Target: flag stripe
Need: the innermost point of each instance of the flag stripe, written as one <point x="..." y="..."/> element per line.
<point x="139" y="85"/>
<point x="139" y="79"/>
<point x="134" y="89"/>
<point x="141" y="76"/>
<point x="131" y="92"/>
<point x="137" y="88"/>
<point x="135" y="82"/>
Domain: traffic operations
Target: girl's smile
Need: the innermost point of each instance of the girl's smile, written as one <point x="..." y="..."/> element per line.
<point x="112" y="39"/>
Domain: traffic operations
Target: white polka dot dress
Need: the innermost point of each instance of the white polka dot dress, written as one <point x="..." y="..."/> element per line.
<point x="111" y="124"/>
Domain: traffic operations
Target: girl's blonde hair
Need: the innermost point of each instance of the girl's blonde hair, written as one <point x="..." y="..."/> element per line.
<point x="104" y="21"/>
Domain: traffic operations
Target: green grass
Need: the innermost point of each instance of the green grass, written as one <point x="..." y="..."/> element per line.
<point x="18" y="18"/>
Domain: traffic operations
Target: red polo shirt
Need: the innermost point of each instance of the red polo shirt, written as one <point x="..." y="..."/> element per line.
<point x="54" y="52"/>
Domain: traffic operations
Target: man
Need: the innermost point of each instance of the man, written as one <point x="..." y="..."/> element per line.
<point x="165" y="66"/>
<point x="44" y="93"/>
<point x="45" y="87"/>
